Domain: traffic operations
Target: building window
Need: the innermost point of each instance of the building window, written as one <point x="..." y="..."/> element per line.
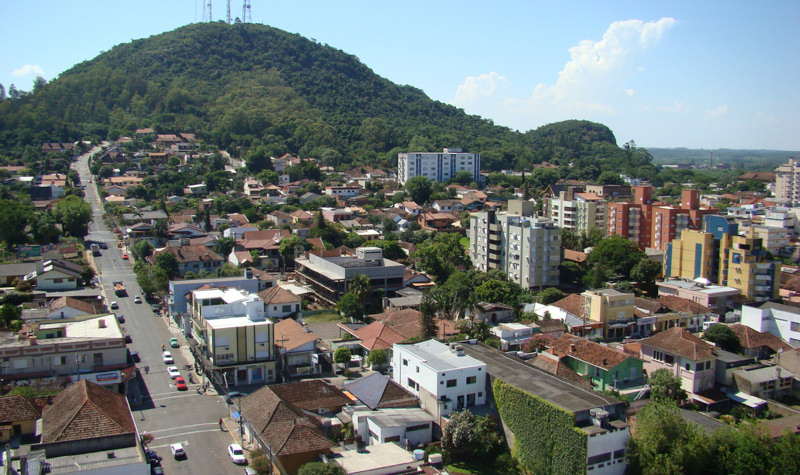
<point x="472" y="379"/>
<point x="405" y="362"/>
<point x="688" y="366"/>
<point x="451" y="383"/>
<point x="413" y="384"/>
<point x="417" y="427"/>
<point x="394" y="438"/>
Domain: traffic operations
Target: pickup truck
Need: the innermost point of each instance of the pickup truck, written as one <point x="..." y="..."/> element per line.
<point x="119" y="289"/>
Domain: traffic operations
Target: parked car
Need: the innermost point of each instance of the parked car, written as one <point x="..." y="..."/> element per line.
<point x="114" y="305"/>
<point x="135" y="356"/>
<point x="121" y="318"/>
<point x="233" y="395"/>
<point x="128" y="338"/>
<point x="125" y="256"/>
<point x="236" y="454"/>
<point x="173" y="372"/>
<point x="180" y="384"/>
<point x="167" y="357"/>
<point x="177" y="450"/>
<point x="137" y="299"/>
<point x="173" y="342"/>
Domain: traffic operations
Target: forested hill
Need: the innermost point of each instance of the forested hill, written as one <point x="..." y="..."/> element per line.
<point x="246" y="85"/>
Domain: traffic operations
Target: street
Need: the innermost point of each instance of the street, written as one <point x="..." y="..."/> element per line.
<point x="158" y="407"/>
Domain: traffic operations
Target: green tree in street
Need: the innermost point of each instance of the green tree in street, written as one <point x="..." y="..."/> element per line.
<point x="360" y="286"/>
<point x="616" y="254"/>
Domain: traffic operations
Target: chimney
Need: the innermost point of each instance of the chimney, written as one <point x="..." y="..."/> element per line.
<point x="572" y="348"/>
<point x="32" y="340"/>
<point x="101" y="323"/>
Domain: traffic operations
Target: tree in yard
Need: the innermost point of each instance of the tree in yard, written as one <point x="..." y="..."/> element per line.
<point x="724" y="337"/>
<point x="43" y="227"/>
<point x="321" y="468"/>
<point x="291" y="245"/>
<point x="462" y="177"/>
<point x="360" y="286"/>
<point x="646" y="271"/>
<point x="617" y="254"/>
<point x="550" y="295"/>
<point x="467" y="437"/>
<point x="570" y="272"/>
<point x="419" y="188"/>
<point x="142" y="249"/>
<point x="377" y="357"/>
<point x="9" y="313"/>
<point x="502" y="291"/>
<point x="350" y="307"/>
<point x="342" y="356"/>
<point x="596" y="277"/>
<point x="666" y="387"/>
<point x="260" y="462"/>
<point x="224" y="245"/>
<point x="441" y="256"/>
<point x="74" y="215"/>
<point x="427" y="318"/>
<point x="167" y="262"/>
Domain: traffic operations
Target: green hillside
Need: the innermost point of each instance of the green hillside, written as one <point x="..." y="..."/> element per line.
<point x="245" y="85"/>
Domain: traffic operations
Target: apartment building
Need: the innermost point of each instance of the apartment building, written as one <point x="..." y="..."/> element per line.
<point x="231" y="336"/>
<point x="787" y="182"/>
<point x="441" y="376"/>
<point x="721" y="256"/>
<point x="437" y="166"/>
<point x="614" y="309"/>
<point x="653" y="225"/>
<point x="777" y="319"/>
<point x="577" y="211"/>
<point x="526" y="248"/>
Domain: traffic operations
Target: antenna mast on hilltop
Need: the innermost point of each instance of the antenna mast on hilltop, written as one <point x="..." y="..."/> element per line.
<point x="210" y="17"/>
<point x="229" y="12"/>
<point x="247" y="14"/>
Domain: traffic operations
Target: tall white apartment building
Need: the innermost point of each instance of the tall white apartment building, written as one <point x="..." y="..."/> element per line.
<point x="577" y="211"/>
<point x="787" y="182"/>
<point x="437" y="166"/>
<point x="526" y="248"/>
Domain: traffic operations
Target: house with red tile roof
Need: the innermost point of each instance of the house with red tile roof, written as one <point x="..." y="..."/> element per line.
<point x="279" y="303"/>
<point x="296" y="346"/>
<point x="18" y="416"/>
<point x="604" y="367"/>
<point x="684" y="355"/>
<point x="757" y="344"/>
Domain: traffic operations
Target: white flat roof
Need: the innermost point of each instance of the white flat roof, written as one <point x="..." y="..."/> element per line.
<point x="235" y="322"/>
<point x="438" y="356"/>
<point x="227" y="295"/>
<point x="89" y="328"/>
<point x="374" y="457"/>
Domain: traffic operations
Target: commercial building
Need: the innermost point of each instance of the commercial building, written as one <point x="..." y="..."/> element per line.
<point x="329" y="277"/>
<point x="787" y="182"/>
<point x="441" y="376"/>
<point x="653" y="225"/>
<point x="437" y="166"/>
<point x="717" y="298"/>
<point x="525" y="248"/>
<point x="614" y="309"/>
<point x="231" y="336"/>
<point x="718" y="254"/>
<point x="54" y="353"/>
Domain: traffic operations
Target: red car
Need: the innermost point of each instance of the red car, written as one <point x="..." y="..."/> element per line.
<point x="125" y="256"/>
<point x="180" y="384"/>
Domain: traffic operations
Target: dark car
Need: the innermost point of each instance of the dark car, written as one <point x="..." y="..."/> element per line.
<point x="128" y="338"/>
<point x="121" y="318"/>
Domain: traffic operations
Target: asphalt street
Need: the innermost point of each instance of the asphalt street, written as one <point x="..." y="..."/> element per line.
<point x="159" y="408"/>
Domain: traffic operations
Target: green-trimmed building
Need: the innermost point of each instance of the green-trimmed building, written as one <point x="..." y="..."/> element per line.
<point x="605" y="367"/>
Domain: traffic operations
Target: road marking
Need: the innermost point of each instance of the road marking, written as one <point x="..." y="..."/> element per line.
<point x="183" y="427"/>
<point x="169" y="397"/>
<point x="183" y="434"/>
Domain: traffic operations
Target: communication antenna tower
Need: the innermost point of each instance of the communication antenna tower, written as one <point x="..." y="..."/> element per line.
<point x="229" y="12"/>
<point x="210" y="17"/>
<point x="247" y="14"/>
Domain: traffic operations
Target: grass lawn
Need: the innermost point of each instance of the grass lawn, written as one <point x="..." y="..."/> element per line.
<point x="331" y="316"/>
<point x="471" y="468"/>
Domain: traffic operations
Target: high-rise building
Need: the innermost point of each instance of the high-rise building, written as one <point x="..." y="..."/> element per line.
<point x="719" y="255"/>
<point x="437" y="166"/>
<point x="527" y="249"/>
<point x="653" y="225"/>
<point x="787" y="182"/>
<point x="577" y="211"/>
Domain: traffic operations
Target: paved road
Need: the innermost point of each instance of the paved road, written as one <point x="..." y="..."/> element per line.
<point x="171" y="416"/>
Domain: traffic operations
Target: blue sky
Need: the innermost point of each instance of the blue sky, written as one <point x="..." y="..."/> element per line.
<point x="711" y="74"/>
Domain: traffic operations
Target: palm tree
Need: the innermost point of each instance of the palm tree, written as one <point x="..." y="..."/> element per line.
<point x="360" y="286"/>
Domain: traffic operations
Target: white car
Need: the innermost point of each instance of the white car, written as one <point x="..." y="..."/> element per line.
<point x="137" y="299"/>
<point x="177" y="450"/>
<point x="236" y="454"/>
<point x="173" y="371"/>
<point x="167" y="357"/>
<point x="114" y="305"/>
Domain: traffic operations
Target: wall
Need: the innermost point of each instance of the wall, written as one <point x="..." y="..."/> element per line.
<point x="614" y="444"/>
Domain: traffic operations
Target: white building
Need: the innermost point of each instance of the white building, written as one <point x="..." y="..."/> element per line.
<point x="527" y="249"/>
<point x="787" y="182"/>
<point x="437" y="166"/>
<point x="512" y="335"/>
<point x="222" y="303"/>
<point x="780" y="320"/>
<point x="577" y="211"/>
<point x="441" y="376"/>
<point x="403" y="425"/>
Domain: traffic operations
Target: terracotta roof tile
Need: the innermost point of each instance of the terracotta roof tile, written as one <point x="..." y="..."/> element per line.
<point x="277" y="295"/>
<point x="378" y="335"/>
<point x="86" y="410"/>
<point x="752" y="339"/>
<point x="680" y="342"/>
<point x="311" y="394"/>
<point x="18" y="408"/>
<point x="593" y="353"/>
<point x="679" y="304"/>
<point x="572" y="303"/>
<point x="553" y="365"/>
<point x="289" y="334"/>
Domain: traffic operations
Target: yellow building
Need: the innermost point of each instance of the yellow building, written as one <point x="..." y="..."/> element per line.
<point x="611" y="307"/>
<point x="720" y="255"/>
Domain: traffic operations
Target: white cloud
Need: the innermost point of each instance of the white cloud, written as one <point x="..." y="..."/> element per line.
<point x="718" y="112"/>
<point x="677" y="107"/>
<point x="590" y="84"/>
<point x="28" y="70"/>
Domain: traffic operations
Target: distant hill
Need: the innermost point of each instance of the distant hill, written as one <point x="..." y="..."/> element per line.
<point x="245" y="85"/>
<point x="746" y="159"/>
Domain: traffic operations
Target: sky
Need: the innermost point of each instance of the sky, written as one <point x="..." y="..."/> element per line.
<point x="711" y="74"/>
